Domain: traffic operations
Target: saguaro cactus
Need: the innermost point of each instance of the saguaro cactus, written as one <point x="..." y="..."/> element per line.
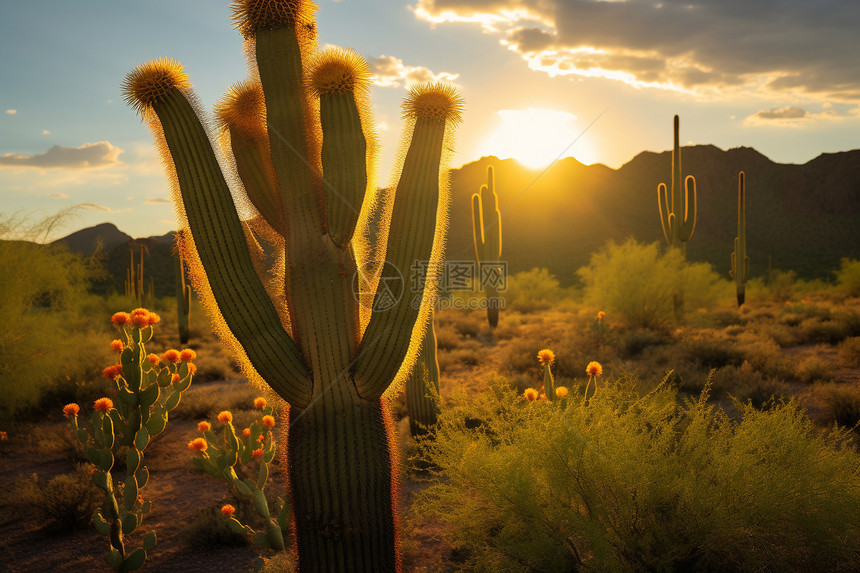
<point x="134" y="276"/>
<point x="422" y="386"/>
<point x="678" y="210"/>
<point x="183" y="298"/>
<point x="487" y="236"/>
<point x="302" y="153"/>
<point x="740" y="261"/>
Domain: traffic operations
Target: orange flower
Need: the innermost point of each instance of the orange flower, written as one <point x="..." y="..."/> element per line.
<point x="225" y="417"/>
<point x="788" y="303"/>
<point x="531" y="394"/>
<point x="120" y="318"/>
<point x="153" y="359"/>
<point x="197" y="445"/>
<point x="70" y="410"/>
<point x="257" y="454"/>
<point x="192" y="368"/>
<point x="111" y="372"/>
<point x="246" y="433"/>
<point x="546" y="357"/>
<point x="561" y="392"/>
<point x="601" y="315"/>
<point x="117" y="345"/>
<point x="152" y="319"/>
<point x="269" y="421"/>
<point x="594" y="369"/>
<point x="3" y="436"/>
<point x="103" y="405"/>
<point x="260" y="402"/>
<point x="171" y="356"/>
<point x="204" y="426"/>
<point x="261" y="439"/>
<point x="140" y="317"/>
<point x="175" y="378"/>
<point x="228" y="510"/>
<point x="187" y="355"/>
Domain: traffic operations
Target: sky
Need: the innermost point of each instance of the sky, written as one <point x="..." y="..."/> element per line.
<point x="542" y="79"/>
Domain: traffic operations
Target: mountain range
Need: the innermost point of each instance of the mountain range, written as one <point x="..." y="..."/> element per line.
<point x="803" y="218"/>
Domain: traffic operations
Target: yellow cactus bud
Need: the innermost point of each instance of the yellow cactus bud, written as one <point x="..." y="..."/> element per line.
<point x="243" y="107"/>
<point x="251" y="16"/>
<point x="149" y="83"/>
<point x="338" y="70"/>
<point x="433" y="101"/>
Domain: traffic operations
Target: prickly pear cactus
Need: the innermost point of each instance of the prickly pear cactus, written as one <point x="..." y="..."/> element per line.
<point x="147" y="388"/>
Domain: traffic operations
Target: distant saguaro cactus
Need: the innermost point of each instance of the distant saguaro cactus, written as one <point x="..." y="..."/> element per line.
<point x="740" y="261"/>
<point x="134" y="276"/>
<point x="678" y="209"/>
<point x="183" y="297"/>
<point x="487" y="236"/>
<point x="422" y="386"/>
<point x="301" y="141"/>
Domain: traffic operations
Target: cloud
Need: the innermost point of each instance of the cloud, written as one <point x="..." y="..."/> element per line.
<point x="157" y="201"/>
<point x="94" y="207"/>
<point x="11" y="111"/>
<point x="391" y="72"/>
<point x="709" y="48"/>
<point x="46" y="132"/>
<point x="789" y="116"/>
<point x="58" y="195"/>
<point x="88" y="156"/>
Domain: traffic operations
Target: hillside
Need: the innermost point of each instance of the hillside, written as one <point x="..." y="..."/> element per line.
<point x="803" y="217"/>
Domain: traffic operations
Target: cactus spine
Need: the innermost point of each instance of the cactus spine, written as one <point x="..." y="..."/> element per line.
<point x="329" y="359"/>
<point x="740" y="261"/>
<point x="422" y="386"/>
<point x="487" y="236"/>
<point x="678" y="210"/>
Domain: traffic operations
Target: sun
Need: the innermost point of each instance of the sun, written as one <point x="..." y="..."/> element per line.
<point x="537" y="137"/>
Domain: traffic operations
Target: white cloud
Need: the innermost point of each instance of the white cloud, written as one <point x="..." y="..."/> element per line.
<point x="88" y="156"/>
<point x="46" y="132"/>
<point x="11" y="111"/>
<point x="391" y="72"/>
<point x="788" y="116"/>
<point x="794" y="48"/>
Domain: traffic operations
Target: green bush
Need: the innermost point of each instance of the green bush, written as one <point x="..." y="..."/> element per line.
<point x="67" y="501"/>
<point x="638" y="283"/>
<point x="640" y="483"/>
<point x="848" y="277"/>
<point x="534" y="290"/>
<point x="46" y="339"/>
<point x="849" y="352"/>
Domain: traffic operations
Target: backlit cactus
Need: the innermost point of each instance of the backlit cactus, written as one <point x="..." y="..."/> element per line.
<point x="134" y="285"/>
<point x="303" y="152"/>
<point x="422" y="386"/>
<point x="678" y="208"/>
<point x="183" y="299"/>
<point x="222" y="449"/>
<point x="487" y="236"/>
<point x="147" y="389"/>
<point x="740" y="261"/>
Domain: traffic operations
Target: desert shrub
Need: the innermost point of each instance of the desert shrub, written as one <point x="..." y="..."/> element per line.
<point x="749" y="386"/>
<point x="447" y="337"/>
<point x="534" y="290"/>
<point x="764" y="356"/>
<point x="710" y="350"/>
<point x="67" y="500"/>
<point x="43" y="290"/>
<point x="849" y="352"/>
<point x="848" y="277"/>
<point x="208" y="529"/>
<point x="635" y="482"/>
<point x="813" y="369"/>
<point x="633" y="342"/>
<point x="638" y="283"/>
<point x="841" y="403"/>
<point x="203" y="401"/>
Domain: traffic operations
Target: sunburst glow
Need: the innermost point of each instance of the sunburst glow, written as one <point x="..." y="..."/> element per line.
<point x="537" y="137"/>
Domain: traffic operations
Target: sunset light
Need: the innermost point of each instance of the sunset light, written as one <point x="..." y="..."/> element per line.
<point x="537" y="137"/>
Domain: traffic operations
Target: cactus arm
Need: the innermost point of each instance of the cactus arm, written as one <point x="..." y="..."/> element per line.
<point x="256" y="171"/>
<point x="422" y="386"/>
<point x="734" y="270"/>
<point x="689" y="208"/>
<point x="218" y="235"/>
<point x="413" y="228"/>
<point x="478" y="226"/>
<point x="344" y="152"/>
<point x="492" y="217"/>
<point x="665" y="212"/>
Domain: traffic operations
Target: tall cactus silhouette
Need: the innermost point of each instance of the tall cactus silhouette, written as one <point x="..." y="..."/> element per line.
<point x="487" y="236"/>
<point x="740" y="261"/>
<point x="183" y="298"/>
<point x="422" y="386"/>
<point x="300" y="138"/>
<point x="678" y="209"/>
